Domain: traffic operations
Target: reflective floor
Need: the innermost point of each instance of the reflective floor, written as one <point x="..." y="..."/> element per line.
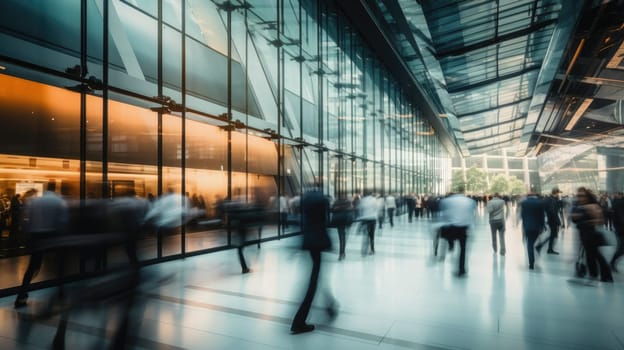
<point x="400" y="298"/>
<point x="13" y="262"/>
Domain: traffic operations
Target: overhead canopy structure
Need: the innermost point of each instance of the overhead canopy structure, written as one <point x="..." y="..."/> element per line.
<point x="520" y="74"/>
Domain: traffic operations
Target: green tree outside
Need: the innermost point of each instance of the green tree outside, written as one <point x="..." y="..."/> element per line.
<point x="507" y="184"/>
<point x="499" y="183"/>
<point x="457" y="180"/>
<point x="476" y="180"/>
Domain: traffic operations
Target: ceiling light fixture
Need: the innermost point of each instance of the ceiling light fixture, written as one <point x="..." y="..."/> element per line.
<point x="579" y="112"/>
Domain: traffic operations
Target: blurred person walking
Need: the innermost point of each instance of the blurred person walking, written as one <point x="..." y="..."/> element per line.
<point x="618" y="226"/>
<point x="368" y="209"/>
<point x="15" y="230"/>
<point x="391" y="205"/>
<point x="553" y="207"/>
<point x="410" y="201"/>
<point x="342" y="217"/>
<point x="532" y="212"/>
<point x="243" y="216"/>
<point x="496" y="210"/>
<point x="315" y="217"/>
<point x="381" y="210"/>
<point x="458" y="214"/>
<point x="587" y="215"/>
<point x="45" y="219"/>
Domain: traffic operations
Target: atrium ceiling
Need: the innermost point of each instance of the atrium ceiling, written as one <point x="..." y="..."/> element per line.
<point x="526" y="75"/>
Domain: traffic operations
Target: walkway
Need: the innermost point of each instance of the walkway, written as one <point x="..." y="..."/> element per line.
<point x="399" y="298"/>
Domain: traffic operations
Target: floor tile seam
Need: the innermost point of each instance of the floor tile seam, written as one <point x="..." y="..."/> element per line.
<point x="334" y="330"/>
<point x="206" y="331"/>
<point x="317" y="307"/>
<point x="444" y="325"/>
<point x="387" y="331"/>
<point x="256" y="297"/>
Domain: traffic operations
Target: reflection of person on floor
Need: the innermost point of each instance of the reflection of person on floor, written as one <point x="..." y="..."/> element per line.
<point x="458" y="214"/>
<point x="315" y="211"/>
<point x="46" y="218"/>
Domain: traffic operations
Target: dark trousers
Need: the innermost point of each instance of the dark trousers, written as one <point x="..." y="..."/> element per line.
<point x="34" y="264"/>
<point x="391" y="216"/>
<point x="554" y="233"/>
<point x="531" y="238"/>
<point x="370" y="229"/>
<point x="498" y="227"/>
<point x="594" y="258"/>
<point x="410" y="213"/>
<point x="451" y="234"/>
<point x="306" y="304"/>
<point x="342" y="238"/>
<point x="242" y="236"/>
<point x="284" y="219"/>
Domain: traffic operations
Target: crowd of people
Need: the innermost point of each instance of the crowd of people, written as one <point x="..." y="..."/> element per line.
<point x="46" y="219"/>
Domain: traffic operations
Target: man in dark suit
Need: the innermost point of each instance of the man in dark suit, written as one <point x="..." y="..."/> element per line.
<point x="532" y="212"/>
<point x="553" y="207"/>
<point x="315" y="211"/>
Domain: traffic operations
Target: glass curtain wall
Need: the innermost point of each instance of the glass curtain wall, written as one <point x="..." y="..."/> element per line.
<point x="213" y="100"/>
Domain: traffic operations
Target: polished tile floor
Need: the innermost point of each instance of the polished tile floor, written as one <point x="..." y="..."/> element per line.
<point x="400" y="298"/>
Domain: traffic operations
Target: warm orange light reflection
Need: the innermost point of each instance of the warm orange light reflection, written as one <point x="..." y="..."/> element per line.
<point x="133" y="146"/>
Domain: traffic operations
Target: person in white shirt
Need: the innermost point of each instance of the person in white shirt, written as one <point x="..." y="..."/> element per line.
<point x="458" y="214"/>
<point x="368" y="215"/>
<point x="496" y="211"/>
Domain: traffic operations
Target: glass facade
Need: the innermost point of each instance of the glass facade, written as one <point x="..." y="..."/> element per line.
<point x="212" y="99"/>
